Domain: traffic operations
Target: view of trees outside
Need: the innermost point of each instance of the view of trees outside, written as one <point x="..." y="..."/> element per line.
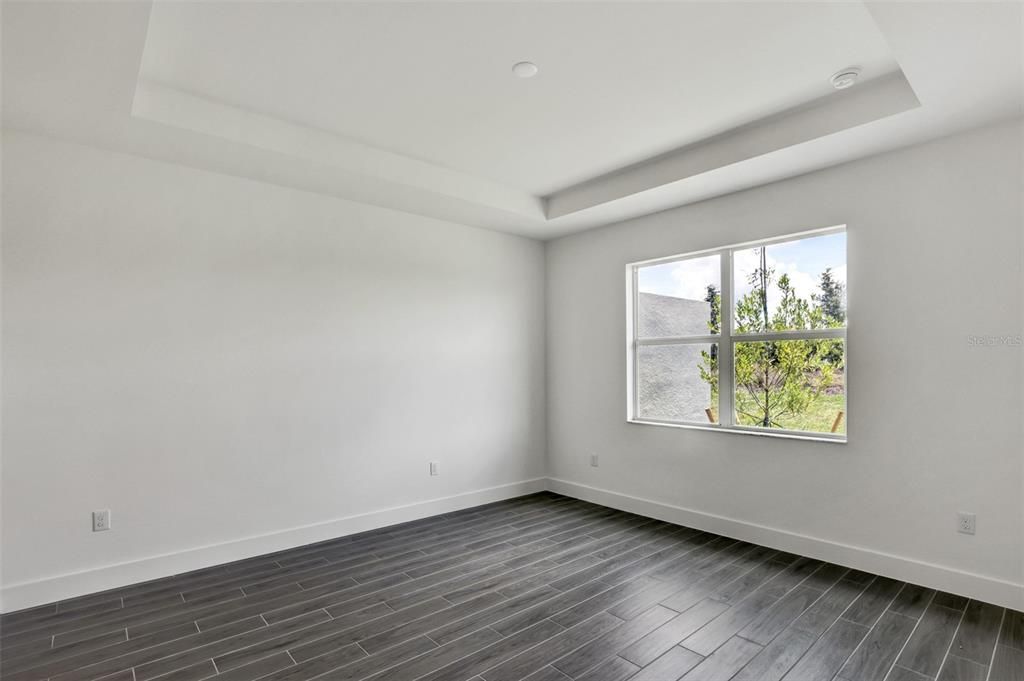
<point x="788" y="384"/>
<point x="791" y="384"/>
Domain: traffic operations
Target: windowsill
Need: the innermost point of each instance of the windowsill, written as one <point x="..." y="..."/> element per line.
<point x="788" y="435"/>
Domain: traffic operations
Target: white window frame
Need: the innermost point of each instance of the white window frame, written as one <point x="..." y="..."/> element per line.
<point x="725" y="341"/>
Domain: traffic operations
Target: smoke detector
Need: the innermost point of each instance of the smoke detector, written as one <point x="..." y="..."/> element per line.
<point x="845" y="78"/>
<point x="525" y="69"/>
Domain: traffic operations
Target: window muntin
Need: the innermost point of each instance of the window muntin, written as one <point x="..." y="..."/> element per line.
<point x="782" y="337"/>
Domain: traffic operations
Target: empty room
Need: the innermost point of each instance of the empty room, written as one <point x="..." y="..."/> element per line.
<point x="511" y="341"/>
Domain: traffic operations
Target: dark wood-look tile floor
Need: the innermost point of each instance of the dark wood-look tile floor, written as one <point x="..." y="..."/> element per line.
<point x="544" y="588"/>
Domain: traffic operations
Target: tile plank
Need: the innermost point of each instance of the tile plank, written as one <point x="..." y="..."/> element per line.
<point x="554" y="648"/>
<point x="770" y="623"/>
<point x="912" y="600"/>
<point x="497" y="653"/>
<point x="979" y="629"/>
<point x="453" y="630"/>
<point x="878" y="651"/>
<point x="723" y="664"/>
<point x="719" y="630"/>
<point x="956" y="668"/>
<point x="654" y="644"/>
<point x="873" y="602"/>
<point x="829" y="652"/>
<point x="1012" y="633"/>
<point x="903" y="674"/>
<point x="615" y="669"/>
<point x="605" y="646"/>
<point x="258" y="669"/>
<point x="1007" y="664"/>
<point x="669" y="667"/>
<point x="439" y="657"/>
<point x="927" y="647"/>
<point x="778" y="657"/>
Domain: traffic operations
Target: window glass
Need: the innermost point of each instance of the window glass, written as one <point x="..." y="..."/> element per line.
<point x="786" y="345"/>
<point x="791" y="384"/>
<point x="798" y="284"/>
<point x="678" y="382"/>
<point x="679" y="298"/>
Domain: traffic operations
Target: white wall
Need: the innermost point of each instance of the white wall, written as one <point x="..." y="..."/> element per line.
<point x="217" y="359"/>
<point x="234" y="367"/>
<point x="934" y="256"/>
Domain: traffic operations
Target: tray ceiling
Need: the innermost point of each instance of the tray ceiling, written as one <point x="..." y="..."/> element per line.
<point x="637" y="106"/>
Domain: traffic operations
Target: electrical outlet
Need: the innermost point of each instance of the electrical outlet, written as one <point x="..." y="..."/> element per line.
<point x="594" y="461"/>
<point x="435" y="468"/>
<point x="101" y="520"/>
<point x="965" y="523"/>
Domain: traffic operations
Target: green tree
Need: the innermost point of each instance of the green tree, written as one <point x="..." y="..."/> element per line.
<point x="830" y="300"/>
<point x="714" y="301"/>
<point x="709" y="358"/>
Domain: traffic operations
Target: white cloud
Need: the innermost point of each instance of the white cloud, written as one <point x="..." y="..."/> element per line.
<point x="804" y="283"/>
<point x="690" y="278"/>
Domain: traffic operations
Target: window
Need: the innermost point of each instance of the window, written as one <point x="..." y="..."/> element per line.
<point x="748" y="338"/>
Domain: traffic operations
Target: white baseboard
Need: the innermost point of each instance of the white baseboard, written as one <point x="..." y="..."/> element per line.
<point x="980" y="587"/>
<point x="61" y="587"/>
<point x="50" y="589"/>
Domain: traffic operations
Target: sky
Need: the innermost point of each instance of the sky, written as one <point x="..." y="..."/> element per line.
<point x="803" y="260"/>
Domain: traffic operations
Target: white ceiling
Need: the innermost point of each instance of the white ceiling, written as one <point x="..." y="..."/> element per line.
<point x="412" y="106"/>
<point x="619" y="82"/>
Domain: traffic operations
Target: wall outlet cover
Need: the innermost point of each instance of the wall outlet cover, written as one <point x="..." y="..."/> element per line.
<point x="966" y="523"/>
<point x="101" y="520"/>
